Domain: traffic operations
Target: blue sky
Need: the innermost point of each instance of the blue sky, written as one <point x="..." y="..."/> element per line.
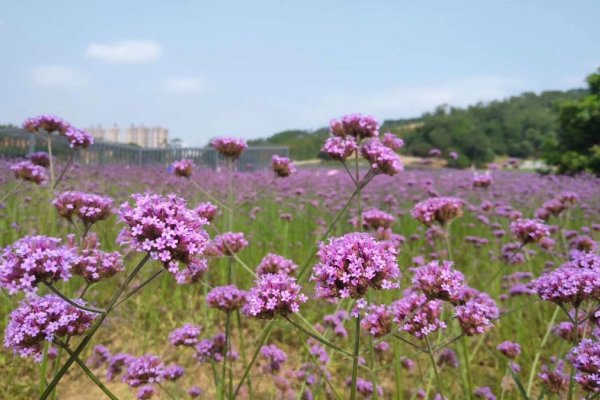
<point x="252" y="68"/>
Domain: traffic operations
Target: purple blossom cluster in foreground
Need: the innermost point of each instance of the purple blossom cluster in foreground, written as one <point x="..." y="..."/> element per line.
<point x="274" y="294"/>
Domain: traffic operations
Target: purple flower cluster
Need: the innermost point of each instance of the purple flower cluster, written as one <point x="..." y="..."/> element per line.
<point x="47" y="123"/>
<point x="173" y="372"/>
<point x="529" y="230"/>
<point x="213" y="349"/>
<point x="79" y="138"/>
<point x="40" y="319"/>
<point x="168" y="231"/>
<point x="226" y="298"/>
<point x="586" y="360"/>
<point x="382" y="159"/>
<point x="375" y="219"/>
<point x="275" y="358"/>
<point x="477" y="314"/>
<point x="350" y="264"/>
<point x="182" y="168"/>
<point x="390" y="140"/>
<point x="274" y="294"/>
<point x="40" y="158"/>
<point x="509" y="349"/>
<point x="229" y="147"/>
<point x="88" y="207"/>
<point x="448" y="358"/>
<point x="378" y="320"/>
<point x="206" y="210"/>
<point x="484" y="393"/>
<point x="282" y="166"/>
<point x="94" y="264"/>
<point x="339" y="148"/>
<point x="276" y="264"/>
<point x="144" y="370"/>
<point x="336" y="321"/>
<point x="584" y="261"/>
<point x="187" y="335"/>
<point x="355" y="125"/>
<point x="439" y="280"/>
<point x="482" y="181"/>
<point x="568" y="285"/>
<point x="29" y="172"/>
<point x="417" y="315"/>
<point x="228" y="244"/>
<point x="32" y="259"/>
<point x="365" y="388"/>
<point x="437" y="209"/>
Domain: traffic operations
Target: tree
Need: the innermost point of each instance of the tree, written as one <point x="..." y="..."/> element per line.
<point x="577" y="145"/>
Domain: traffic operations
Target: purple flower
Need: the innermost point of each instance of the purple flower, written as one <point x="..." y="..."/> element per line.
<point x="482" y="181"/>
<point x="187" y="335"/>
<point x="585" y="357"/>
<point x="79" y="138"/>
<point x="568" y="285"/>
<point x="226" y="298"/>
<point x="509" y="349"/>
<point x="116" y="364"/>
<point x="213" y="349"/>
<point x="339" y="148"/>
<point x="194" y="392"/>
<point x="47" y="123"/>
<point x="282" y="166"/>
<point x="94" y="264"/>
<point x="355" y="125"/>
<point x="424" y="314"/>
<point x="100" y="356"/>
<point x="275" y="358"/>
<point x="375" y="219"/>
<point x="447" y="357"/>
<point x="390" y="140"/>
<point x="40" y="158"/>
<point x="182" y="168"/>
<point x="173" y="372"/>
<point x="88" y="207"/>
<point x="336" y="321"/>
<point x="584" y="261"/>
<point x="145" y="392"/>
<point x="168" y="231"/>
<point x="454" y="155"/>
<point x="437" y="209"/>
<point x="228" y="244"/>
<point x="350" y="264"/>
<point x="40" y="319"/>
<point x="382" y="159"/>
<point x="439" y="280"/>
<point x="476" y="315"/>
<point x="229" y="147"/>
<point x="29" y="172"/>
<point x="378" y="320"/>
<point x="435" y="152"/>
<point x="144" y="370"/>
<point x="484" y="393"/>
<point x="206" y="210"/>
<point x="32" y="259"/>
<point x="556" y="381"/>
<point x="529" y="230"/>
<point x="365" y="388"/>
<point x="276" y="264"/>
<point x="274" y="294"/>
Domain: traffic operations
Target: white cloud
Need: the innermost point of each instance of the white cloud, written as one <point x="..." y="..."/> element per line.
<point x="125" y="51"/>
<point x="184" y="84"/>
<point x="58" y="76"/>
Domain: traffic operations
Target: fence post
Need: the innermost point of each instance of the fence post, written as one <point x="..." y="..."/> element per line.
<point x="32" y="143"/>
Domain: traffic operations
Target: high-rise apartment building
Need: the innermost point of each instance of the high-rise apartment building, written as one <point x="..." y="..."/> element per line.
<point x="150" y="137"/>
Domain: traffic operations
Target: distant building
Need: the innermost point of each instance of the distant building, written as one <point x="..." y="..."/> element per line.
<point x="154" y="137"/>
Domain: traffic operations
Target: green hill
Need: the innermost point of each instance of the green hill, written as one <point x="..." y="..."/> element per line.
<point x="517" y="126"/>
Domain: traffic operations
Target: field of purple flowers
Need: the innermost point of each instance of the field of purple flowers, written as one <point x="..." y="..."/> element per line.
<point x="361" y="280"/>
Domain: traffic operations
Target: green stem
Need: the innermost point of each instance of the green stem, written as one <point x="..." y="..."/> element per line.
<point x="140" y="287"/>
<point x="62" y="174"/>
<point x="71" y="302"/>
<point x="43" y="368"/>
<point x="465" y="349"/>
<point x="355" y="358"/>
<point x="87" y="371"/>
<point x="318" y="338"/>
<point x="11" y="191"/>
<point x="164" y="389"/>
<point x="575" y="340"/>
<point x="243" y="349"/>
<point x="537" y="354"/>
<point x="88" y="337"/>
<point x="226" y="355"/>
<point x="51" y="167"/>
<point x="438" y="378"/>
<point x="264" y="338"/>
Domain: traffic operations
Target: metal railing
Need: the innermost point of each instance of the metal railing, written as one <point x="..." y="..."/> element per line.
<point x="16" y="142"/>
